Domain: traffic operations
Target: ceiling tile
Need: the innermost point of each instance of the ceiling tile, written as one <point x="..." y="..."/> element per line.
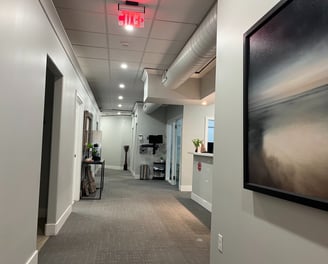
<point x="164" y="46"/>
<point x="85" y="5"/>
<point x="114" y="28"/>
<point x="133" y="43"/>
<point x="158" y="58"/>
<point x="126" y="77"/>
<point x="152" y="66"/>
<point x="77" y="20"/>
<point x="187" y="11"/>
<point x="93" y="62"/>
<point x="125" y="55"/>
<point x="115" y="81"/>
<point x="116" y="66"/>
<point x="87" y="38"/>
<point x="91" y="52"/>
<point x="94" y="67"/>
<point x="173" y="31"/>
<point x="151" y="6"/>
<point x="101" y="47"/>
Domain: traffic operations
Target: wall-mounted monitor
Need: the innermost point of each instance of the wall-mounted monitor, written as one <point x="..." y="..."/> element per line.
<point x="155" y="139"/>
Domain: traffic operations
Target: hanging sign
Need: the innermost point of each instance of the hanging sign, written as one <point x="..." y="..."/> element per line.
<point x="130" y="18"/>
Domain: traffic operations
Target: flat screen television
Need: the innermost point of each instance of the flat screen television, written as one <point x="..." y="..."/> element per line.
<point x="155" y="139"/>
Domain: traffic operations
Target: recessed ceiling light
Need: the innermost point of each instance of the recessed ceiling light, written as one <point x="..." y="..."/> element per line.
<point x="122" y="85"/>
<point x="129" y="28"/>
<point x="204" y="103"/>
<point x="120" y="97"/>
<point x="119" y="105"/>
<point x="124" y="66"/>
<point x="118" y="113"/>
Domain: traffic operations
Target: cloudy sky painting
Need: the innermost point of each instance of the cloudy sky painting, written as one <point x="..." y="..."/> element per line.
<point x="288" y="101"/>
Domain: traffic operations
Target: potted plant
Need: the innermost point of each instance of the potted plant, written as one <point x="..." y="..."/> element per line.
<point x="96" y="152"/>
<point x="197" y="142"/>
<point x="89" y="147"/>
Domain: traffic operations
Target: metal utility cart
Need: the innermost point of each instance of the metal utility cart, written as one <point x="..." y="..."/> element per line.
<point x="159" y="170"/>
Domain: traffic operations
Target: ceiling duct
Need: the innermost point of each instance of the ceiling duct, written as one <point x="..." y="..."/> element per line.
<point x="199" y="50"/>
<point x="150" y="107"/>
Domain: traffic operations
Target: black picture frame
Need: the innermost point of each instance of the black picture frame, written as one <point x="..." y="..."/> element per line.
<point x="286" y="103"/>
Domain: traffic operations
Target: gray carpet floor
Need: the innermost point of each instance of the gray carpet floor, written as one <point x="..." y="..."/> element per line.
<point x="135" y="222"/>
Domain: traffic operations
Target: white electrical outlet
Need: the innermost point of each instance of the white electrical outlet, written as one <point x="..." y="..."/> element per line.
<point x="220" y="243"/>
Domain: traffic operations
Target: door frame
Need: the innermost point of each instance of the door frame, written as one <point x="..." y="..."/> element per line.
<point x="79" y="111"/>
<point x="171" y="153"/>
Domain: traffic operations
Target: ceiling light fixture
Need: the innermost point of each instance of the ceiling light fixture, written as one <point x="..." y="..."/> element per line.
<point x="120" y="97"/>
<point x="118" y="113"/>
<point x="204" y="103"/>
<point x="124" y="66"/>
<point x="122" y="85"/>
<point x="129" y="28"/>
<point x="119" y="105"/>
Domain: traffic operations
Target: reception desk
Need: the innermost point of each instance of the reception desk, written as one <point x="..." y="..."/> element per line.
<point x="202" y="179"/>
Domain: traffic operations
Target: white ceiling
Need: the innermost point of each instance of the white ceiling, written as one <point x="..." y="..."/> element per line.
<point x="101" y="45"/>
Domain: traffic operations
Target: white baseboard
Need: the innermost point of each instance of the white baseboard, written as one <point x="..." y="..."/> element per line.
<point x="53" y="229"/>
<point x="185" y="188"/>
<point x="114" y="167"/>
<point x="33" y="259"/>
<point x="201" y="201"/>
<point x="136" y="176"/>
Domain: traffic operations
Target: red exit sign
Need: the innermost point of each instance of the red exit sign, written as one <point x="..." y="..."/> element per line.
<point x="131" y="18"/>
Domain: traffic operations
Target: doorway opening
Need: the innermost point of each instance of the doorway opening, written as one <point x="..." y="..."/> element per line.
<point x="52" y="76"/>
<point x="174" y="133"/>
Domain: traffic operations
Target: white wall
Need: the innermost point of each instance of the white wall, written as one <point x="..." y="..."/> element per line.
<point x="116" y="132"/>
<point x="173" y="112"/>
<point x="208" y="83"/>
<point x="148" y="124"/>
<point x="202" y="180"/>
<point x="193" y="127"/>
<point x="256" y="228"/>
<point x="27" y="39"/>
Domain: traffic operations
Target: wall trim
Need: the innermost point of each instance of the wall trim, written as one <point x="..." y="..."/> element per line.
<point x="135" y="175"/>
<point x="207" y="205"/>
<point x="53" y="229"/>
<point x="34" y="258"/>
<point x="185" y="188"/>
<point x="114" y="167"/>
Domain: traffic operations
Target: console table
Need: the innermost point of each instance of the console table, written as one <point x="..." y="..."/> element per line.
<point x="84" y="176"/>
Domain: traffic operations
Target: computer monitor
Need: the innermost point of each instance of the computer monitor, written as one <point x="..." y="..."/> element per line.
<point x="210" y="146"/>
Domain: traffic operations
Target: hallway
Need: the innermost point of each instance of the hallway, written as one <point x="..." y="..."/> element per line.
<point x="136" y="222"/>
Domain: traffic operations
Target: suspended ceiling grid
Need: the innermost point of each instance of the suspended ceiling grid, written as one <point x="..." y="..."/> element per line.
<point x="101" y="45"/>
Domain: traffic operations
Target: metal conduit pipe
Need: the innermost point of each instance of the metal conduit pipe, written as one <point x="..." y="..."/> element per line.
<point x="198" y="51"/>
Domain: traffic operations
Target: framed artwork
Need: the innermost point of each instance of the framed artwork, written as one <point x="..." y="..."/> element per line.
<point x="286" y="103"/>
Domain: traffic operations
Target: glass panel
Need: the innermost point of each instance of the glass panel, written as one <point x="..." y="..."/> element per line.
<point x="210" y="130"/>
<point x="178" y="133"/>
